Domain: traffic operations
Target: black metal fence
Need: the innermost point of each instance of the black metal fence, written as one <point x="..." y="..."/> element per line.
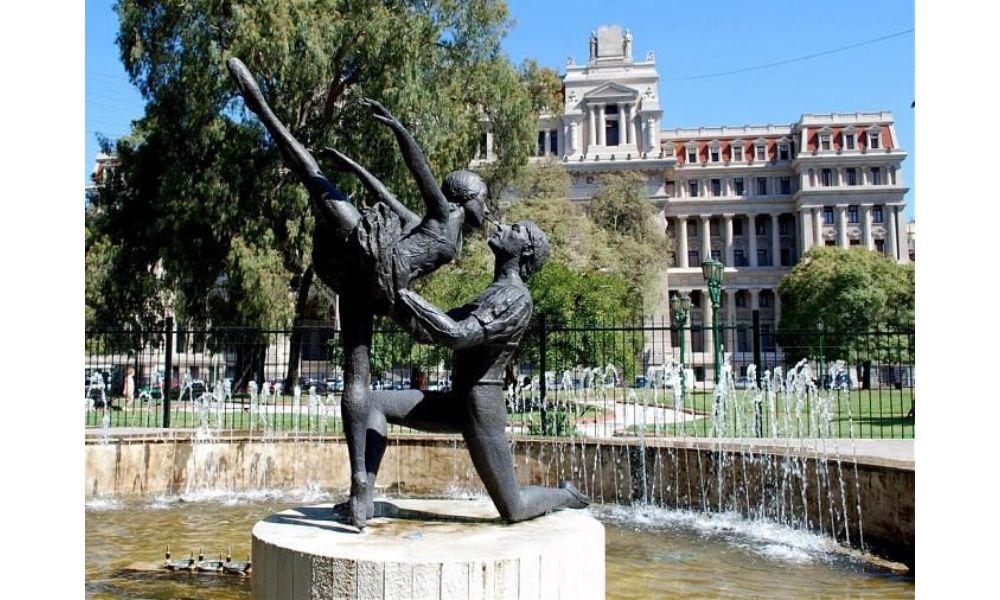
<point x="601" y="380"/>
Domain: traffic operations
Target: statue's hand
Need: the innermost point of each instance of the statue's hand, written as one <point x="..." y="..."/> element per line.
<point x="381" y="113"/>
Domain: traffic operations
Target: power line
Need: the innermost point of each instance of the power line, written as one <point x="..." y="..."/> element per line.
<point x="791" y="60"/>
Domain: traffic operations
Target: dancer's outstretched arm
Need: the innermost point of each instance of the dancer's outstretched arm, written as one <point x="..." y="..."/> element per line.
<point x="327" y="200"/>
<point x="375" y="187"/>
<point x="430" y="325"/>
<point x="434" y="199"/>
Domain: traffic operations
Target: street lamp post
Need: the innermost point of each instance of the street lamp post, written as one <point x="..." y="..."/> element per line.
<point x="681" y="306"/>
<point x="713" y="272"/>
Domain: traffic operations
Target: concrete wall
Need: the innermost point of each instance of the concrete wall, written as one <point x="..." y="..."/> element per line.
<point x="791" y="484"/>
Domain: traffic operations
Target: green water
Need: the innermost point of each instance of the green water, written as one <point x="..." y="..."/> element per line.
<point x="651" y="553"/>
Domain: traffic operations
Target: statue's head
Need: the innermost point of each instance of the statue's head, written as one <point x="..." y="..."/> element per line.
<point x="469" y="191"/>
<point x="526" y="241"/>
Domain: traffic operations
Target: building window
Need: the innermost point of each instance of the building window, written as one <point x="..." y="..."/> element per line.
<point x="759" y="226"/>
<point x="761" y="152"/>
<point x="739" y="259"/>
<point x="762" y="186"/>
<point x="783" y="151"/>
<point x="714" y="152"/>
<point x="738" y="186"/>
<point x="852" y="214"/>
<point x="738" y="227"/>
<point x="880" y="246"/>
<point x="540" y="149"/>
<point x="671" y="189"/>
<point x="554" y="141"/>
<point x="876" y="176"/>
<point x="785" y="226"/>
<point x="741" y="300"/>
<point x="762" y="258"/>
<point x="786" y="185"/>
<point x="826" y="177"/>
<point x="713" y="227"/>
<point x="877" y="214"/>
<point x="828" y="215"/>
<point x="762" y="301"/>
<point x="717" y="254"/>
<point x="854" y="243"/>
<point x="786" y="257"/>
<point x="692" y="156"/>
<point x="874" y="139"/>
<point x="852" y="176"/>
<point x="693" y="258"/>
<point x="590" y="180"/>
<point x="692" y="228"/>
<point x="737" y="151"/>
<point x="483" y="145"/>
<point x="824" y="142"/>
<point x="716" y="187"/>
<point x="849" y="141"/>
<point x="693" y="187"/>
<point x="830" y="243"/>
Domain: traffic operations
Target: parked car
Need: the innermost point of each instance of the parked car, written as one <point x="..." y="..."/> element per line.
<point x="742" y="383"/>
<point x="307" y="382"/>
<point x="641" y="382"/>
<point x="335" y="384"/>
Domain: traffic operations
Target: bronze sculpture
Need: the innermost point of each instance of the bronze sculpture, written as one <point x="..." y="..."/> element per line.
<point x="369" y="258"/>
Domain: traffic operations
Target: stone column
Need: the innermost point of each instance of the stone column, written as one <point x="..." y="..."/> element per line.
<point x="752" y="233"/>
<point x="818" y="238"/>
<point x="546" y="139"/>
<point x="842" y="226"/>
<point x="651" y="133"/>
<point x="892" y="235"/>
<point x="805" y="216"/>
<point x="631" y="126"/>
<point x="682" y="241"/>
<point x="729" y="340"/>
<point x="601" y="123"/>
<point x="903" y="243"/>
<point x="592" y="122"/>
<point x="777" y="306"/>
<point x="775" y="240"/>
<point x="866" y="226"/>
<point x="728" y="238"/>
<point x="706" y="237"/>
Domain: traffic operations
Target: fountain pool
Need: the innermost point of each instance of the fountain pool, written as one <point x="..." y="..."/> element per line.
<point x="651" y="552"/>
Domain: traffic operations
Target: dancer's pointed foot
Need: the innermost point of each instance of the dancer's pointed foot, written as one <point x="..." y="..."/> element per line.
<point x="579" y="499"/>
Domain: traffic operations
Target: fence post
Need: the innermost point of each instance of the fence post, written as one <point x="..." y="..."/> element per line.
<point x="758" y="420"/>
<point x="542" y="342"/>
<point x="168" y="370"/>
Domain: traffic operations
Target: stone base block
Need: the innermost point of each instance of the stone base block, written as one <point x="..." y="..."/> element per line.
<point x="440" y="549"/>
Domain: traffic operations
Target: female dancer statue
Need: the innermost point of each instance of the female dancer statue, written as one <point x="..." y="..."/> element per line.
<point x="366" y="256"/>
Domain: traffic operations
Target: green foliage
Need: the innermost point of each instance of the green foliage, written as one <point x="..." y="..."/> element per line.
<point x="621" y="207"/>
<point x="545" y="87"/>
<point x="201" y="189"/>
<point x="851" y="292"/>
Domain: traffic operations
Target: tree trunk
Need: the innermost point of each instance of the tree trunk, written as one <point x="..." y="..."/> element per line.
<point x="295" y="343"/>
<point x="866" y="375"/>
<point x="250" y="357"/>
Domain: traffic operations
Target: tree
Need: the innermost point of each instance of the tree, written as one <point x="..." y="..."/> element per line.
<point x="621" y="207"/>
<point x="202" y="191"/>
<point x="849" y="293"/>
<point x="545" y="87"/>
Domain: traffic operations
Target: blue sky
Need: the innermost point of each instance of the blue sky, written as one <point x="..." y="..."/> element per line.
<point x="690" y="39"/>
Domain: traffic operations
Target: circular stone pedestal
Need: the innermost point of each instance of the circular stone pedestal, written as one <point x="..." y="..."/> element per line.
<point x="428" y="549"/>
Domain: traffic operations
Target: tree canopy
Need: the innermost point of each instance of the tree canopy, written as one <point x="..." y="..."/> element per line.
<point x="848" y="293"/>
<point x="201" y="205"/>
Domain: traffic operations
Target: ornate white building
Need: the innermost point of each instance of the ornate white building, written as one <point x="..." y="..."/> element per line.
<point x="754" y="197"/>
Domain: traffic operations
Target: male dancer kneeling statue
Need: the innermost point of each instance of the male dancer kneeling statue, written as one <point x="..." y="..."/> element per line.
<point x="484" y="335"/>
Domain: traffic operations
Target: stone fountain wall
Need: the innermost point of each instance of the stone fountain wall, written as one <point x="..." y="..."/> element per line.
<point x="795" y="483"/>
